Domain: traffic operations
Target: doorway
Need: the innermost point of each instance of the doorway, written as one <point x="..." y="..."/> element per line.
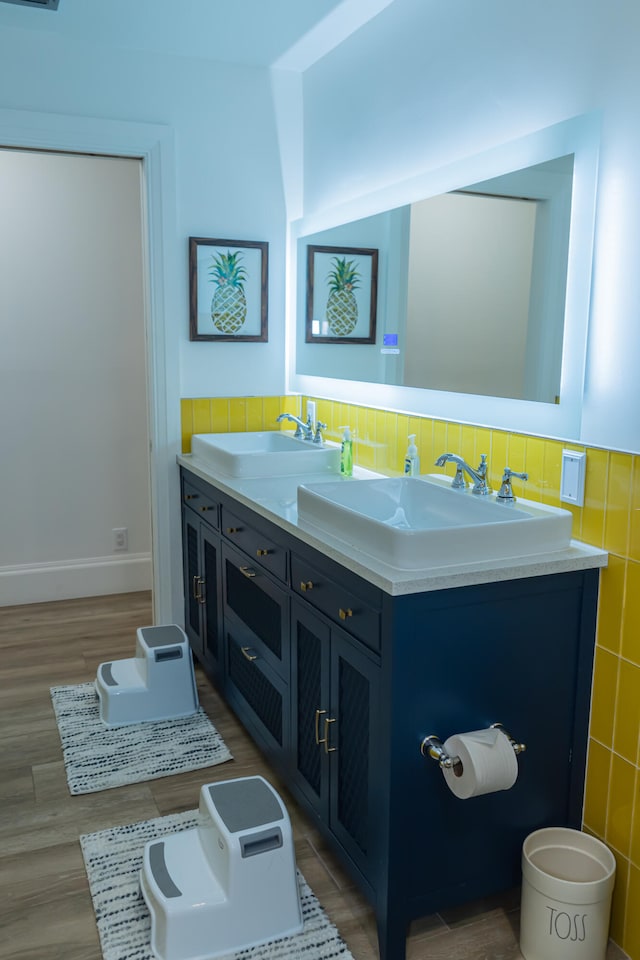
<point x="76" y="516"/>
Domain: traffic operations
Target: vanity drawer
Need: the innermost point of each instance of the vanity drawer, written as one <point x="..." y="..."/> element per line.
<point x="200" y="502"/>
<point x="259" y="547"/>
<point x="356" y="612"/>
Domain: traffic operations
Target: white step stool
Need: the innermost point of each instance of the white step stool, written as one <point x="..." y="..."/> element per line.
<point x="230" y="882"/>
<point x="157" y="684"/>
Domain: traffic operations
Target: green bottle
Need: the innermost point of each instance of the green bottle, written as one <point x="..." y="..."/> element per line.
<point x="346" y="453"/>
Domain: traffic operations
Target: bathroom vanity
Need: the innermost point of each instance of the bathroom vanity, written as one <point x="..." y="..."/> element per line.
<point x="339" y="672"/>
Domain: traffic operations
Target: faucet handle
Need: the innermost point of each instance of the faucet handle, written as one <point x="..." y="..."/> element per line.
<point x="505" y="494"/>
<point x="320" y="426"/>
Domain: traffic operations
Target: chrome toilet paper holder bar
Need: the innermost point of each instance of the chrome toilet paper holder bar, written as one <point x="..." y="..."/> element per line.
<point x="432" y="746"/>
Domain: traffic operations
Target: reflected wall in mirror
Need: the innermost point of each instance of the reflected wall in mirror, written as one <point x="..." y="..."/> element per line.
<point x="471" y="289"/>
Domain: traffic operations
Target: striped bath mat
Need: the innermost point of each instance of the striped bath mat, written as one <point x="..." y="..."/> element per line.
<point x="97" y="757"/>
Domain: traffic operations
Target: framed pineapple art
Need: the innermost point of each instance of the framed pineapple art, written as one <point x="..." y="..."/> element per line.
<point x="342" y="293"/>
<point x="228" y="289"/>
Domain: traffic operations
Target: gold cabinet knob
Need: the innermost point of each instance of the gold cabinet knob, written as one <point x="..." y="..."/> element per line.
<point x="345" y="614"/>
<point x="306" y="585"/>
<point x="261" y="552"/>
<point x="233" y="529"/>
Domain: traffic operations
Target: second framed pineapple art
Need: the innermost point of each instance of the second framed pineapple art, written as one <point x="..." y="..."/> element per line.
<point x="342" y="293"/>
<point x="228" y="289"/>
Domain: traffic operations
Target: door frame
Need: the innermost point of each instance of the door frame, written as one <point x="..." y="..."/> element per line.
<point x="153" y="144"/>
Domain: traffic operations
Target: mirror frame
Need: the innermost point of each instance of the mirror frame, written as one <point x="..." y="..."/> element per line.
<point x="579" y="136"/>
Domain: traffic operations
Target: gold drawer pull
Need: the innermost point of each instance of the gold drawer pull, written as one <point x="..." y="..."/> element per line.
<point x="344" y="614"/>
<point x="327" y="748"/>
<point x="204" y="509"/>
<point x="319" y="713"/>
<point x="191" y="496"/>
<point x="233" y="529"/>
<point x="262" y="553"/>
<point x="247" y="655"/>
<point x="306" y="585"/>
<point x="248" y="572"/>
<point x="201" y="597"/>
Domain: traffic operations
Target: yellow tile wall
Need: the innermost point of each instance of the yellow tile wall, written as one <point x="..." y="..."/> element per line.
<point x="610" y="519"/>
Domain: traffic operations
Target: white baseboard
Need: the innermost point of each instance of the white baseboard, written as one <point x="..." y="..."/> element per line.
<point x="70" y="579"/>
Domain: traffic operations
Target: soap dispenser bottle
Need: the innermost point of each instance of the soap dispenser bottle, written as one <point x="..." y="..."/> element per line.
<point x="412" y="460"/>
<point x="346" y="453"/>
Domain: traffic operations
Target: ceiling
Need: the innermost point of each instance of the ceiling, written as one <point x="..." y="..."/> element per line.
<point x="250" y="32"/>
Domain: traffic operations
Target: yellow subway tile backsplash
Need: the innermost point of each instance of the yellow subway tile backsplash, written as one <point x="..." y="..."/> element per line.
<point x="534" y="466"/>
<point x="612" y="579"/>
<point x="627" y="716"/>
<point x="634" y="518"/>
<point x="595" y="494"/>
<point x="605" y="686"/>
<point x="552" y="472"/>
<point x="630" y="644"/>
<point x="219" y="415"/>
<point x="201" y="416"/>
<point x="186" y="422"/>
<point x="616" y="526"/>
<point x="597" y="788"/>
<point x="620" y="804"/>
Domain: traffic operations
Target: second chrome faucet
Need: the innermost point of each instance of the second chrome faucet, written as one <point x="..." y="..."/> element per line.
<point x="479" y="475"/>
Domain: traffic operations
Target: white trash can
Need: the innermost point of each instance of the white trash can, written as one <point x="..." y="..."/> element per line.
<point x="567" y="883"/>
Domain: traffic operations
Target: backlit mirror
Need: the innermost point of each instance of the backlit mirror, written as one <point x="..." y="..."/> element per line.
<point x="483" y="284"/>
<point x="472" y="289"/>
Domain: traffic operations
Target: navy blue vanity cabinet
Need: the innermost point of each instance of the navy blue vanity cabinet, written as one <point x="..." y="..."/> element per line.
<point x="201" y="562"/>
<point x="339" y="682"/>
<point x="335" y="735"/>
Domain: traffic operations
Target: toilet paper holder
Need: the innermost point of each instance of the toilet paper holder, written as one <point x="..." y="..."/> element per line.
<point x="432" y="746"/>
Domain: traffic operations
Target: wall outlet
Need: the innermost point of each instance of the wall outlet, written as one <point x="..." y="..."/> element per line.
<point x="311" y="411"/>
<point x="572" y="477"/>
<point x="120" y="539"/>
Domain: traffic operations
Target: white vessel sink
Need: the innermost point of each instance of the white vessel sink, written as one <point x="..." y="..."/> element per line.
<point x="418" y="523"/>
<point x="264" y="454"/>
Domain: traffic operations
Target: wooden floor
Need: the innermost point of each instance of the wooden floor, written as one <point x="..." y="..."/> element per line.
<point x="45" y="905"/>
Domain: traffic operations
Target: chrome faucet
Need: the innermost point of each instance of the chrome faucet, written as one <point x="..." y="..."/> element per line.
<point x="304" y="431"/>
<point x="479" y="476"/>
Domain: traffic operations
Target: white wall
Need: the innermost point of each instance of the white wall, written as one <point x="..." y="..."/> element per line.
<point x="73" y="409"/>
<point x="427" y="84"/>
<point x="216" y="127"/>
<point x="227" y="167"/>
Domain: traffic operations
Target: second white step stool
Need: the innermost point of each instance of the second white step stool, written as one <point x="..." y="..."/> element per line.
<point x="157" y="684"/>
<point x="230" y="882"/>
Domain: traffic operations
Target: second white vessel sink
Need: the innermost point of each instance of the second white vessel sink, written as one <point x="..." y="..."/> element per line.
<point x="264" y="453"/>
<point x="419" y="522"/>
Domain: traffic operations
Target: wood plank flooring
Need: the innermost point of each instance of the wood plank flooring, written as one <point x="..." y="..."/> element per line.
<point x="45" y="905"/>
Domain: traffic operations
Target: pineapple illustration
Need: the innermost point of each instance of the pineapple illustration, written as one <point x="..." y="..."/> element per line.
<point x="229" y="304"/>
<point x="342" y="307"/>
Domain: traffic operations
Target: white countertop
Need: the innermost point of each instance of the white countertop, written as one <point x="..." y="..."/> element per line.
<point x="275" y="499"/>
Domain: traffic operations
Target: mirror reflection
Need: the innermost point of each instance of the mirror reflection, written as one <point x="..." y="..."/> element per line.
<point x="471" y="290"/>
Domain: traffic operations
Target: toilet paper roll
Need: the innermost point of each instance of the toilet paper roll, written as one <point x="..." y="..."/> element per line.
<point x="488" y="763"/>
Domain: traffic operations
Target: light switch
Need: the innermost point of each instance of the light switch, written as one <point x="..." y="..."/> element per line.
<point x="572" y="480"/>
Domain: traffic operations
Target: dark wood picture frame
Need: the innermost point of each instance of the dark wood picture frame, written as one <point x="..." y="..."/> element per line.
<point x="228" y="289"/>
<point x="327" y="269"/>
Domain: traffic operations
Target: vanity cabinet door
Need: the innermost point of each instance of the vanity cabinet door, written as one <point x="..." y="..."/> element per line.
<point x="334" y="695"/>
<point x="201" y="550"/>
